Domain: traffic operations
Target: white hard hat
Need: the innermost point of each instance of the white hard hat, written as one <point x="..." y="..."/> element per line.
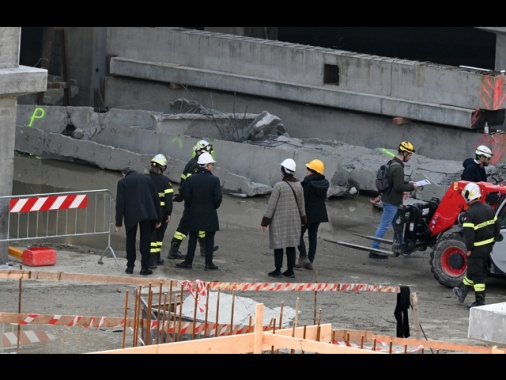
<point x="482" y="150"/>
<point x="205" y="158"/>
<point x="289" y="165"/>
<point x="160" y="159"/>
<point x="471" y="192"/>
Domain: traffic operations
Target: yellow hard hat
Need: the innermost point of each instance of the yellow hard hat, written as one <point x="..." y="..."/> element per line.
<point x="406" y="146"/>
<point x="316" y="165"/>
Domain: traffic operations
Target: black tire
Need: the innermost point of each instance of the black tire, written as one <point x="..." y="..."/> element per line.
<point x="448" y="260"/>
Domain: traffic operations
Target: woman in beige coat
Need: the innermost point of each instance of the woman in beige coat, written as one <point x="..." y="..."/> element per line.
<point x="285" y="216"/>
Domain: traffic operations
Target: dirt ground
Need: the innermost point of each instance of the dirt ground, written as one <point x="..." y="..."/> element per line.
<point x="244" y="256"/>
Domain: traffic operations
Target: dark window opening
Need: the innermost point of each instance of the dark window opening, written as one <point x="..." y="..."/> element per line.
<point x="331" y="74"/>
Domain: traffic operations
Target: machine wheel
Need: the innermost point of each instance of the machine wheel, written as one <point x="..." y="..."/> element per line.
<point x="448" y="260"/>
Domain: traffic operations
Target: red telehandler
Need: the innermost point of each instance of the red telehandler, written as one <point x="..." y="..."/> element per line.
<point x="434" y="224"/>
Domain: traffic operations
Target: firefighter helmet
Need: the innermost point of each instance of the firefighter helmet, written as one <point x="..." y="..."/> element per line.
<point x="406" y="146"/>
<point x="205" y="158"/>
<point x="159" y="159"/>
<point x="203" y="145"/>
<point x="316" y="165"/>
<point x="482" y="150"/>
<point x="289" y="165"/>
<point x="471" y="192"/>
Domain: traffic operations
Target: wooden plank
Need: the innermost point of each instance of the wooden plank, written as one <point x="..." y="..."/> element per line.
<point x="14" y="252"/>
<point x="105" y="279"/>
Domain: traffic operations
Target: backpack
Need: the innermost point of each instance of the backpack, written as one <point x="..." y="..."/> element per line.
<point x="382" y="183"/>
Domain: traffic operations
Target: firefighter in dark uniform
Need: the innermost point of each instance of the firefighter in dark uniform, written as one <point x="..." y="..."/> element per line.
<point x="165" y="191"/>
<point x="182" y="229"/>
<point x="481" y="229"/>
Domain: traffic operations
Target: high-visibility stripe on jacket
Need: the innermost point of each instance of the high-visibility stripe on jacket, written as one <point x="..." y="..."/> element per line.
<point x="480" y="225"/>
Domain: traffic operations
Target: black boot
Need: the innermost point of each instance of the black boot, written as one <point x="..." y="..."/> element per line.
<point x="159" y="260"/>
<point x="152" y="261"/>
<point x="461" y="292"/>
<point x="174" y="250"/>
<point x="479" y="300"/>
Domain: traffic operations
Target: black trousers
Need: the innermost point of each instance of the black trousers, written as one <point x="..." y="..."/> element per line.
<point x="145" y="229"/>
<point x="476" y="264"/>
<point x="312" y="236"/>
<point x="192" y="246"/>
<point x="157" y="236"/>
<point x="290" y="257"/>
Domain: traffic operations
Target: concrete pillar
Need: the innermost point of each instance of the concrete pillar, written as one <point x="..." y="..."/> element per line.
<point x="15" y="80"/>
<point x="87" y="63"/>
<point x="500" y="52"/>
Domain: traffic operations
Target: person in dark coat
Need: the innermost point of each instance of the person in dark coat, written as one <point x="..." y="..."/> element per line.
<point x="137" y="203"/>
<point x="474" y="168"/>
<point x="202" y="196"/>
<point x="315" y="187"/>
<point x="163" y="186"/>
<point x="182" y="229"/>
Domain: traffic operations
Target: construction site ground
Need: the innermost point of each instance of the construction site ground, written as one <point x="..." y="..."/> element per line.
<point x="244" y="257"/>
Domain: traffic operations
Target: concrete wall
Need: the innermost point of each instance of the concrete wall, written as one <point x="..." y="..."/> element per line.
<point x="384" y="86"/>
<point x="151" y="67"/>
<point x="110" y="142"/>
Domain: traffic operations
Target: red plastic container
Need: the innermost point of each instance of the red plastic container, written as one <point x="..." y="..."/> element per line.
<point x="39" y="256"/>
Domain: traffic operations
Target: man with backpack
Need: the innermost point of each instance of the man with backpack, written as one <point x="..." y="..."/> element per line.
<point x="392" y="197"/>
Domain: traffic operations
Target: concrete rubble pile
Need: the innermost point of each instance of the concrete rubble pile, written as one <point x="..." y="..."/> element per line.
<point x="248" y="147"/>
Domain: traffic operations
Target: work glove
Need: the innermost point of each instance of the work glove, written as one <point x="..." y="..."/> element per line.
<point x="177" y="198"/>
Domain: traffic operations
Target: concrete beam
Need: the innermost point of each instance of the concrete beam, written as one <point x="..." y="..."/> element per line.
<point x="241" y="166"/>
<point x="330" y="96"/>
<point x="22" y="80"/>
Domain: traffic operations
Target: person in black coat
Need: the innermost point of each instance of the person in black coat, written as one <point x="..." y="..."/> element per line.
<point x="202" y="195"/>
<point x="182" y="229"/>
<point x="137" y="203"/>
<point x="474" y="168"/>
<point x="315" y="187"/>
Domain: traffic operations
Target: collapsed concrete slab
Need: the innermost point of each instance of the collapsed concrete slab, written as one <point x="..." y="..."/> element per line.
<point x="220" y="310"/>
<point x="113" y="139"/>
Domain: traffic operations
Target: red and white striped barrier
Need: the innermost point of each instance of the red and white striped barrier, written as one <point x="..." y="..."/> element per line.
<point x="56" y="320"/>
<point x="26" y="337"/>
<point x="194" y="288"/>
<point x="55" y="202"/>
<point x="301" y="287"/>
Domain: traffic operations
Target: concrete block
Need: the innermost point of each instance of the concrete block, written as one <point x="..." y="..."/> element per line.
<point x="39" y="256"/>
<point x="488" y="323"/>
